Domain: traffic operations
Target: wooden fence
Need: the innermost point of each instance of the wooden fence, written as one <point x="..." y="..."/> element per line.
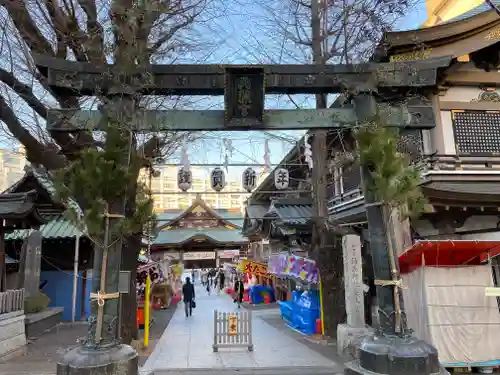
<point x="232" y="330"/>
<point x="11" y="300"/>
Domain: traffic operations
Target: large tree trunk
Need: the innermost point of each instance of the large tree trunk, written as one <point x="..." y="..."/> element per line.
<point x="331" y="269"/>
<point x="130" y="251"/>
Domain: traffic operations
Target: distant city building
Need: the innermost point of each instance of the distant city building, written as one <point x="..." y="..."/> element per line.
<point x="168" y="195"/>
<point x="440" y="11"/>
<point x="11" y="167"/>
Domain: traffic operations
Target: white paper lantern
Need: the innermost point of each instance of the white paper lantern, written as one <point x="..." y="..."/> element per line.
<point x="218" y="179"/>
<point x="281" y="178"/>
<point x="249" y="179"/>
<point x="184" y="179"/>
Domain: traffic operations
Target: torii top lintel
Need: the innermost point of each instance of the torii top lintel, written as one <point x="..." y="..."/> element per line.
<point x="89" y="79"/>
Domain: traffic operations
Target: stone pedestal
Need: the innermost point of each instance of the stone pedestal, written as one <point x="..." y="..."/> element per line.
<point x="12" y="336"/>
<point x="119" y="359"/>
<point x="349" y="338"/>
<point x="394" y="355"/>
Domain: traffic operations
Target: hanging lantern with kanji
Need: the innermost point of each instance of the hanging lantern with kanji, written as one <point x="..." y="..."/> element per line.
<point x="184" y="179"/>
<point x="249" y="179"/>
<point x="218" y="179"/>
<point x="281" y="178"/>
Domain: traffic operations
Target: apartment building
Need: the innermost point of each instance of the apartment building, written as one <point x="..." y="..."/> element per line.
<point x="442" y="11"/>
<point x="12" y="164"/>
<point x="167" y="195"/>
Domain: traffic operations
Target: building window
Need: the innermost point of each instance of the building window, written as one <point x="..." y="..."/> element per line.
<point x="350" y="178"/>
<point x="476" y="132"/>
<point x="411" y="143"/>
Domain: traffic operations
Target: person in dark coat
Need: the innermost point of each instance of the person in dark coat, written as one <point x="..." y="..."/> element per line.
<point x="239" y="288"/>
<point x="222" y="279"/>
<point x="188" y="297"/>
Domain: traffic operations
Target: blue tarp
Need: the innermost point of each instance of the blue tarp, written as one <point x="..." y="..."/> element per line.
<point x="257" y="292"/>
<point x="302" y="311"/>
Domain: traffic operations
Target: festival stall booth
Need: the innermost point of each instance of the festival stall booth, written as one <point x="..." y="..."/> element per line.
<point x="147" y="267"/>
<point x="257" y="282"/>
<point x="449" y="302"/>
<point x="302" y="311"/>
<point x="175" y="281"/>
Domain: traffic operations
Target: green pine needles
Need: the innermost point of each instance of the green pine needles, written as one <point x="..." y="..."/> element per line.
<point x="395" y="181"/>
<point x="102" y="179"/>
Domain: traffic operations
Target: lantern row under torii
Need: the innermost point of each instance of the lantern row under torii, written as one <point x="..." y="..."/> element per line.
<point x="218" y="179"/>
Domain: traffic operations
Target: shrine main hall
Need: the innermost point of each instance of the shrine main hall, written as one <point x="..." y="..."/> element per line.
<point x="200" y="236"/>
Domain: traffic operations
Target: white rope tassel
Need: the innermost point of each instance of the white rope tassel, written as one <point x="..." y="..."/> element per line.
<point x="185" y="157"/>
<point x="267" y="157"/>
<point x="97" y="298"/>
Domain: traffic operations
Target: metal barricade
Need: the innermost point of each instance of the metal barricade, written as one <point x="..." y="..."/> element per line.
<point x="232" y="329"/>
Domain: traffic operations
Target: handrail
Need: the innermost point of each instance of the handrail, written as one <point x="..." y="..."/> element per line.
<point x="435" y="162"/>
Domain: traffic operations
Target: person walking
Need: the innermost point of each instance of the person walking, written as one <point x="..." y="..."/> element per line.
<point x="239" y="288"/>
<point x="188" y="297"/>
<point x="222" y="280"/>
<point x="208" y="286"/>
<point x="216" y="282"/>
<point x="204" y="277"/>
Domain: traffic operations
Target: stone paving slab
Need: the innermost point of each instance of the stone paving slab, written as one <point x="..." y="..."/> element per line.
<point x="187" y="344"/>
<point x="306" y="370"/>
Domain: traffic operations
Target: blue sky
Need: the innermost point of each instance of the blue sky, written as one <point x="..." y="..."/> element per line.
<point x="239" y="38"/>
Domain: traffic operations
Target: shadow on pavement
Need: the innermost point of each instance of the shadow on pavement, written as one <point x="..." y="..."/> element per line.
<point x="42" y="354"/>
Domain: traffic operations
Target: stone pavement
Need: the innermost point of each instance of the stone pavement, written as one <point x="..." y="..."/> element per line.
<point x="42" y="354"/>
<point x="186" y="345"/>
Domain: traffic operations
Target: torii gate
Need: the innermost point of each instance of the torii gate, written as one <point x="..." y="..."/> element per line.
<point x="244" y="88"/>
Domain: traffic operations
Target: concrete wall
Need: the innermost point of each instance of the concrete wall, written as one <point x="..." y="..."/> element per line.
<point x="12" y="336"/>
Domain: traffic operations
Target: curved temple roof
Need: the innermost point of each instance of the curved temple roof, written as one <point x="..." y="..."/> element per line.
<point x="455" y="38"/>
<point x="19" y="210"/>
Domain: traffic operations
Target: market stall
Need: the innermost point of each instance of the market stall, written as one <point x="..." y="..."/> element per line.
<point x="302" y="311"/>
<point x="146" y="267"/>
<point x="175" y="280"/>
<point x="257" y="281"/>
<point x="447" y="303"/>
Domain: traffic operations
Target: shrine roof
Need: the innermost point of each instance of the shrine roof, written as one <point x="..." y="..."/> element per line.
<point x="44" y="180"/>
<point x="232" y="217"/>
<point x="19" y="209"/>
<point x="57" y="228"/>
<point x="292" y="211"/>
<point x="288" y="212"/>
<point x="56" y="225"/>
<point x="462" y="35"/>
<point x="180" y="236"/>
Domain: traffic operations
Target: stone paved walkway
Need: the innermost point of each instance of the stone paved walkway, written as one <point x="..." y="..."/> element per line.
<point x="187" y="343"/>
